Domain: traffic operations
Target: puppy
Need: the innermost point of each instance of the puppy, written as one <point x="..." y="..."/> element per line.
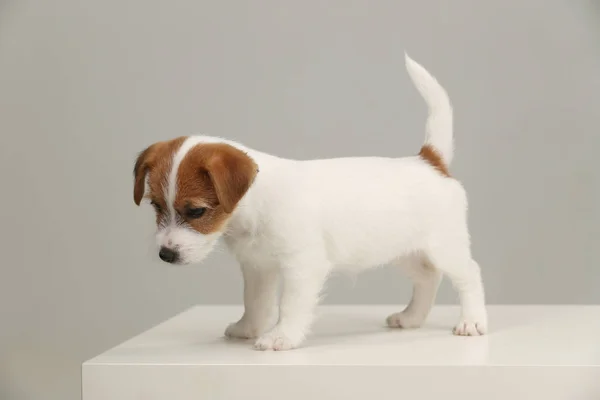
<point x="290" y="223"/>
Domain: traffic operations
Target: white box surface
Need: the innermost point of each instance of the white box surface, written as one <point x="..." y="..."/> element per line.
<point x="531" y="352"/>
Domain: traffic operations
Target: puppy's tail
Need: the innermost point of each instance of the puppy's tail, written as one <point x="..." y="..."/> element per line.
<point x="439" y="147"/>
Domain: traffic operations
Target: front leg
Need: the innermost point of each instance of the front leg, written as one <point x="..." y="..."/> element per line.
<point x="302" y="279"/>
<point x="260" y="303"/>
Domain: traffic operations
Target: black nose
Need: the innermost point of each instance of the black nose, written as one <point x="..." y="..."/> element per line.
<point x="168" y="255"/>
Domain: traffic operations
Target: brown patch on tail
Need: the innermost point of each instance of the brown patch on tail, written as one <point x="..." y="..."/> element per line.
<point x="430" y="155"/>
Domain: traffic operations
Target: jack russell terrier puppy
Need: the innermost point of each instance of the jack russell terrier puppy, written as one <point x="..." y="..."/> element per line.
<point x="290" y="223"/>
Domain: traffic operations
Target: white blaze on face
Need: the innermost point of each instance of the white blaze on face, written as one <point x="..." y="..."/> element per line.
<point x="174" y="234"/>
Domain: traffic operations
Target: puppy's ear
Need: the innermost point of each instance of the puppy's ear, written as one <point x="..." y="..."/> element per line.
<point x="231" y="172"/>
<point x="140" y="170"/>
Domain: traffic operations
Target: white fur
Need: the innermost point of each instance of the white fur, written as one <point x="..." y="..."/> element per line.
<point x="300" y="220"/>
<point x="438" y="130"/>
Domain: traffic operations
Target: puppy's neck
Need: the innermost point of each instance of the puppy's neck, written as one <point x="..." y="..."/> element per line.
<point x="247" y="216"/>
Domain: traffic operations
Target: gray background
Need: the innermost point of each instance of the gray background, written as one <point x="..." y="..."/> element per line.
<point x="84" y="86"/>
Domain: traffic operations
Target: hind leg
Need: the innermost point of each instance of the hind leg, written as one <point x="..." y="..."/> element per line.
<point x="426" y="281"/>
<point x="454" y="260"/>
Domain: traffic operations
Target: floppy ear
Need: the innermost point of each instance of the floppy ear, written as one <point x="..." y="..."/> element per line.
<point x="142" y="165"/>
<point x="231" y="172"/>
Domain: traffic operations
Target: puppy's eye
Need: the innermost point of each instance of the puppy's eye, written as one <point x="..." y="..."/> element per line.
<point x="194" y="213"/>
<point x="156" y="206"/>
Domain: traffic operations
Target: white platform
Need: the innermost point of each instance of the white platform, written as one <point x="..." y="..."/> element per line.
<point x="532" y="352"/>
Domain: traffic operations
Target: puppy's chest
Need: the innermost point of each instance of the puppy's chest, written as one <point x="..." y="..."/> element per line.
<point x="255" y="249"/>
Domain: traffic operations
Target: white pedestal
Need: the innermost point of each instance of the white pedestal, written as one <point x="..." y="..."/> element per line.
<point x="532" y="352"/>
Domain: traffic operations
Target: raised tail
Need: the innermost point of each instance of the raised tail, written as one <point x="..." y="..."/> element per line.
<point x="438" y="130"/>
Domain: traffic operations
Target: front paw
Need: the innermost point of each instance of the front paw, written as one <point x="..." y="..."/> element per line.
<point x="277" y="340"/>
<point x="474" y="325"/>
<point x="404" y="320"/>
<point x="242" y="330"/>
<point x="470" y="328"/>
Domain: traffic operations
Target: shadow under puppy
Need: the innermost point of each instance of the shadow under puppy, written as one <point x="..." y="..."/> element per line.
<point x="294" y="222"/>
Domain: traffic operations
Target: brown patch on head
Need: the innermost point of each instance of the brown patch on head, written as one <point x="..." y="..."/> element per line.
<point x="433" y="158"/>
<point x="154" y="162"/>
<point x="215" y="176"/>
